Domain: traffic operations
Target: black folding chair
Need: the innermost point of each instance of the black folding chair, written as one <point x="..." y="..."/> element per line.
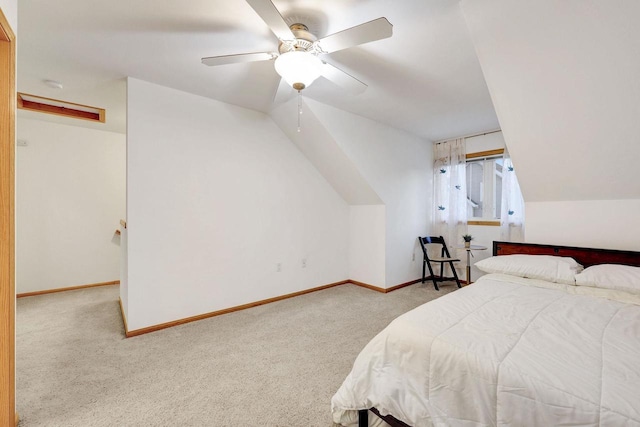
<point x="445" y="258"/>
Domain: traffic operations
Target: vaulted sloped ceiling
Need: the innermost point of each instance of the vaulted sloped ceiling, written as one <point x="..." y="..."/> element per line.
<point x="564" y="77"/>
<point x="319" y="146"/>
<point x="425" y="79"/>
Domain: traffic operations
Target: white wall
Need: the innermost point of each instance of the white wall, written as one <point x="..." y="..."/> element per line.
<point x="10" y="10"/>
<point x="563" y="77"/>
<point x="70" y="196"/>
<point x="124" y="271"/>
<point x="611" y="224"/>
<point x="398" y="166"/>
<point x="367" y="227"/>
<point x="367" y="246"/>
<point x="217" y="197"/>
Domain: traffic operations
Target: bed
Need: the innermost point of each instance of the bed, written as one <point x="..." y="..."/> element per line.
<point x="508" y="350"/>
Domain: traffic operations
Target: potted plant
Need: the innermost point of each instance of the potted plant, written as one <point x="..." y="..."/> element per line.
<point x="467" y="240"/>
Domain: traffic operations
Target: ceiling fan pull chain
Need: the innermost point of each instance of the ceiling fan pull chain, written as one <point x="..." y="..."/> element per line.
<point x="299" y="108"/>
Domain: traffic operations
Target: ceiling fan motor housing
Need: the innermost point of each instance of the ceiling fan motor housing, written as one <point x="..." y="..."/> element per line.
<point x="304" y="41"/>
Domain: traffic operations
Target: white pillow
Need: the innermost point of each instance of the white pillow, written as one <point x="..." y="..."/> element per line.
<point x="543" y="267"/>
<point x="611" y="276"/>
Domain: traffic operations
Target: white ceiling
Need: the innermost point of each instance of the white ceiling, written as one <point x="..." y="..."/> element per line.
<point x="425" y="79"/>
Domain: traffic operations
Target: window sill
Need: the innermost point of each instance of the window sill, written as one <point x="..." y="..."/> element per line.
<point x="488" y="223"/>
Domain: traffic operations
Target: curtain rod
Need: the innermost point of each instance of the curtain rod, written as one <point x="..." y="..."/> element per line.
<point x="471" y="136"/>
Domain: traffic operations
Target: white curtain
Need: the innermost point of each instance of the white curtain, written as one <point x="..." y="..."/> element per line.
<point x="450" y="194"/>
<point x="512" y="214"/>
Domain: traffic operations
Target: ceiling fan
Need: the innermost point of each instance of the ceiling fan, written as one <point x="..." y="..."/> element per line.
<point x="298" y="58"/>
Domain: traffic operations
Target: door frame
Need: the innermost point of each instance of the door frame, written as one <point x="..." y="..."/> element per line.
<point x="8" y="414"/>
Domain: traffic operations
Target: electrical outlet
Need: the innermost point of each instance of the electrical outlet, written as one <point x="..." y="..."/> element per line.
<point x="279" y="267"/>
<point x="304" y="263"/>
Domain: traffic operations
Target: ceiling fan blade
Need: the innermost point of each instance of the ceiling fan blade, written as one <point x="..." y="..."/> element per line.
<point x="241" y="57"/>
<point x="283" y="93"/>
<point x="342" y="79"/>
<point x="270" y="15"/>
<point x="364" y="33"/>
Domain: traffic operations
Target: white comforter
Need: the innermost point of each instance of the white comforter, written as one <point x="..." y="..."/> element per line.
<point x="502" y="352"/>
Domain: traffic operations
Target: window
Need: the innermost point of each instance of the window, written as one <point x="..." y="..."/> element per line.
<point x="484" y="187"/>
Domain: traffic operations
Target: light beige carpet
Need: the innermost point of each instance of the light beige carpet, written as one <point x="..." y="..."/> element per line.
<point x="273" y="365"/>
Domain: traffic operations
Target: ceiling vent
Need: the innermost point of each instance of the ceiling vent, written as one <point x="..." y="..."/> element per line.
<point x="60" y="108"/>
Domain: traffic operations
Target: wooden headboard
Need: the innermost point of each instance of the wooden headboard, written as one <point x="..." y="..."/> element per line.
<point x="584" y="256"/>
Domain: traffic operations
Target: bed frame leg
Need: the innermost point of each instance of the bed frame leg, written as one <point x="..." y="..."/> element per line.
<point x="363" y="418"/>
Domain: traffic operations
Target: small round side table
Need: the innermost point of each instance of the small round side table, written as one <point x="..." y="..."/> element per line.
<point x="469" y="249"/>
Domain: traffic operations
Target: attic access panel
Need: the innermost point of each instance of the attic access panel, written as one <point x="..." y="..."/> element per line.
<point x="60" y="108"/>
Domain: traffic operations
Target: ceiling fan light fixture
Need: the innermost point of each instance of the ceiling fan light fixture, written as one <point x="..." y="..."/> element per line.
<point x="299" y="69"/>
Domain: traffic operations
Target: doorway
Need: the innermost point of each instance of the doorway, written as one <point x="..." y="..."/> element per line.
<point x="7" y="222"/>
